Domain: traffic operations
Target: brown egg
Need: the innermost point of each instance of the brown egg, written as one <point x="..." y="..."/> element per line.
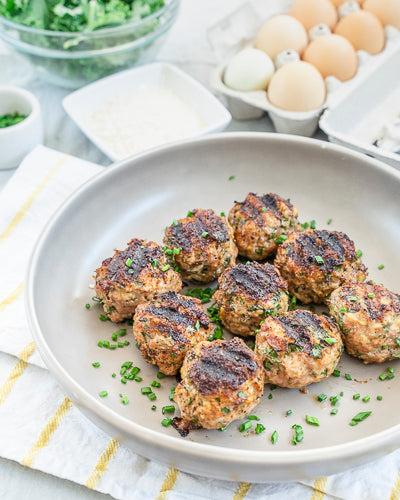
<point x="338" y="3"/>
<point x="387" y="11"/>
<point x="297" y="86"/>
<point x="281" y="33"/>
<point x="363" y="30"/>
<point x="332" y="55"/>
<point x="312" y="12"/>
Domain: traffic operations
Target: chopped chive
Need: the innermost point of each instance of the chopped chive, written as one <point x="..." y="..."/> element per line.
<point x="380" y="267"/>
<point x="87" y="306"/>
<point x="154" y="383"/>
<point x="245" y="426"/>
<point x="106" y="343"/>
<point x="126" y="342"/>
<point x="263" y="209"/>
<point x="319" y="259"/>
<point x="123" y="380"/>
<point x="366" y="399"/>
<point x="113" y="346"/>
<point x="273" y="387"/>
<point x="379" y="398"/>
<point x="353" y="299"/>
<point x="390" y="369"/>
<point x="103" y="317"/>
<point x="329" y="221"/>
<point x="151" y="396"/>
<point x="165" y="268"/>
<point x="336" y="373"/>
<point x="334" y="411"/>
<point x="259" y="428"/>
<point x="154" y="407"/>
<point x="242" y="395"/>
<point x="204" y="234"/>
<point x="359" y="253"/>
<point x="343" y="310"/>
<point x="371" y="295"/>
<point x="175" y="222"/>
<point x="189" y="214"/>
<point x="96" y="364"/>
<point x="138" y="379"/>
<point x="331" y="341"/>
<point x="274" y="437"/>
<point x="312" y="420"/>
<point x="146" y="390"/>
<point x="312" y="224"/>
<point x="128" y="262"/>
<point x="166" y="422"/>
<point x="120" y="344"/>
<point x="125" y="400"/>
<point x="222" y="429"/>
<point x="225" y="410"/>
<point x="168" y="409"/>
<point x="383" y="376"/>
<point x="334" y="400"/>
<point x="347" y="376"/>
<point x="360" y="417"/>
<point x="172" y="394"/>
<point x="298" y="434"/>
<point x="289" y="412"/>
<point x="270" y="396"/>
<point x="160" y="375"/>
<point x="100" y="343"/>
<point x="103" y="394"/>
<point x="154" y="262"/>
<point x="197" y="325"/>
<point x="357" y="396"/>
<point x="253" y="417"/>
<point x="322" y="397"/>
<point x="114" y="375"/>
<point x="231" y="178"/>
<point x="114" y="337"/>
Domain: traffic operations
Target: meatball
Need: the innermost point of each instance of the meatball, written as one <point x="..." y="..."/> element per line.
<point x="222" y="381"/>
<point x="298" y="348"/>
<point x="247" y="294"/>
<point x="202" y="245"/>
<point x="166" y="329"/>
<point x="133" y="276"/>
<point x="261" y="223"/>
<point x="314" y="263"/>
<point x="369" y="318"/>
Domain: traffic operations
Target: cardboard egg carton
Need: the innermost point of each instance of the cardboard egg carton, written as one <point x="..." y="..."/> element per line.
<point x="238" y="31"/>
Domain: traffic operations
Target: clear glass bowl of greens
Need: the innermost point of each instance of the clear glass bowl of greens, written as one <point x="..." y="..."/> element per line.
<point x="74" y="42"/>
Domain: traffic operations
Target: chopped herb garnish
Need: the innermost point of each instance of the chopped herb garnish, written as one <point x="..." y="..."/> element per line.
<point x="172" y="394"/>
<point x="334" y="400"/>
<point x="165" y="268"/>
<point x="154" y="262"/>
<point x="245" y="426"/>
<point x="298" y="434"/>
<point x="10" y="119"/>
<point x="371" y="295"/>
<point x="359" y="253"/>
<point x="189" y="214"/>
<point x="347" y="376"/>
<point x="125" y="400"/>
<point x="263" y="209"/>
<point x="274" y="437"/>
<point x="381" y="267"/>
<point x="160" y="375"/>
<point x="166" y="422"/>
<point x="223" y="214"/>
<point x="253" y="417"/>
<point x="366" y="399"/>
<point x="146" y="390"/>
<point x="379" y="398"/>
<point x="390" y="369"/>
<point x="138" y="379"/>
<point x="103" y="317"/>
<point x="334" y="411"/>
<point x="353" y="299"/>
<point x="231" y="177"/>
<point x="87" y="306"/>
<point x="259" y="428"/>
<point x="270" y="396"/>
<point x="312" y="224"/>
<point x="168" y="409"/>
<point x="197" y="325"/>
<point x="289" y="412"/>
<point x="128" y="262"/>
<point x="114" y="375"/>
<point x="151" y="396"/>
<point x="242" y="395"/>
<point x="175" y="222"/>
<point x="331" y="341"/>
<point x="225" y="410"/>
<point x="322" y="397"/>
<point x="154" y="407"/>
<point x="293" y="302"/>
<point x="103" y="394"/>
<point x="356" y="396"/>
<point x="329" y="221"/>
<point x="154" y="383"/>
<point x="319" y="259"/>
<point x="360" y="417"/>
<point x="100" y="343"/>
<point x="204" y="234"/>
<point x="96" y="364"/>
<point x="336" y="373"/>
<point x="312" y="420"/>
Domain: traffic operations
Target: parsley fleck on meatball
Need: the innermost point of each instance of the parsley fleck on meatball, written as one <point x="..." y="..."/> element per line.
<point x="314" y="263"/>
<point x="261" y="223"/>
<point x="298" y="348"/>
<point x="222" y="381"/>
<point x="204" y="245"/>
<point x="166" y="329"/>
<point x="133" y="276"/>
<point x="369" y="318"/>
<point x="247" y="294"/>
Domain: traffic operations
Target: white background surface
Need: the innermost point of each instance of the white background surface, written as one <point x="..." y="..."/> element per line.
<point x="186" y="47"/>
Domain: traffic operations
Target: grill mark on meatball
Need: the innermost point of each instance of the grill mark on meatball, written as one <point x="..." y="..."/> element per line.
<point x="332" y="246"/>
<point x="140" y="252"/>
<point x="254" y="279"/>
<point x="171" y="314"/>
<point x="174" y="301"/>
<point x="301" y="326"/>
<point x="251" y="208"/>
<point x="225" y="365"/>
<point x="189" y="233"/>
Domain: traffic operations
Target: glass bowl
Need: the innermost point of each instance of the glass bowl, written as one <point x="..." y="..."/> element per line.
<point x="73" y="59"/>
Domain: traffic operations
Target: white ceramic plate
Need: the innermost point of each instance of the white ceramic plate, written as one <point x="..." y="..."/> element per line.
<point x="138" y="198"/>
<point x="81" y="104"/>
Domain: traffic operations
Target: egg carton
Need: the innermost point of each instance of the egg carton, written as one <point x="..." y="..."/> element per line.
<point x="238" y="30"/>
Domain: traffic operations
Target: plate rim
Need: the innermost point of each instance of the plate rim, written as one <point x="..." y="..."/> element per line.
<point x="366" y="445"/>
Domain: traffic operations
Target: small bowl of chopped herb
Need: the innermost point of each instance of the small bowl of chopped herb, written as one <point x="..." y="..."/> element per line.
<point x="72" y="43"/>
<point x="21" y="126"/>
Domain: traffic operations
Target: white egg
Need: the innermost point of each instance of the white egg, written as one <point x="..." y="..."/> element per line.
<point x="250" y="69"/>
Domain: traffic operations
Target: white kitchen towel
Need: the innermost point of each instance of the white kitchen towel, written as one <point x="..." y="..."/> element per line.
<point x="41" y="428"/>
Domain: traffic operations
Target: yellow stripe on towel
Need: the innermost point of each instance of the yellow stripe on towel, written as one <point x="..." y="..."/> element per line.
<point x="46" y="433"/>
<point x="319" y="488"/>
<point x="168" y="483"/>
<point x="29" y="201"/>
<point x="241" y="491"/>
<point x="102" y="464"/>
<point x="13" y="295"/>
<point x="17" y="371"/>
<point x="395" y="493"/>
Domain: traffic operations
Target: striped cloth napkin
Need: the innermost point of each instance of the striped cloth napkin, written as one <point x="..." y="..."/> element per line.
<point x="41" y="428"/>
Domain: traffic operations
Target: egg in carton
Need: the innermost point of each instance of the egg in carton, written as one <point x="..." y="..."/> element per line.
<point x="241" y="30"/>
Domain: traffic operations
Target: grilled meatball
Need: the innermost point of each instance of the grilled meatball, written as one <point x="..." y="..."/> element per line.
<point x="166" y="329"/>
<point x="203" y="243"/>
<point x="260" y="223"/>
<point x="133" y="276"/>
<point x="222" y="381"/>
<point x="298" y="348"/>
<point x="314" y="263"/>
<point x="247" y="294"/>
<point x="369" y="318"/>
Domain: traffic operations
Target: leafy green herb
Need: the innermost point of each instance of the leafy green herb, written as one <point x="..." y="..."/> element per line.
<point x="166" y="422"/>
<point x="360" y="417"/>
<point x="274" y="437"/>
<point x="312" y="420"/>
<point x="336" y="373"/>
<point x="9" y="120"/>
<point x="322" y="397"/>
<point x="298" y="434"/>
<point x="347" y="376"/>
<point x="259" y="428"/>
<point x="245" y="426"/>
